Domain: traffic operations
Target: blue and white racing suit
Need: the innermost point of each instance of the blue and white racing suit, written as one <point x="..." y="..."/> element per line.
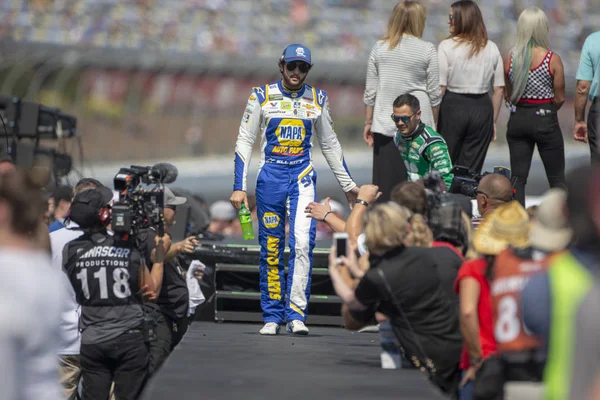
<point x="286" y="179"/>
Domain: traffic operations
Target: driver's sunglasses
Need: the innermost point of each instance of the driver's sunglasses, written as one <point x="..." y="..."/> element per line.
<point x="405" y="119"/>
<point x="302" y="66"/>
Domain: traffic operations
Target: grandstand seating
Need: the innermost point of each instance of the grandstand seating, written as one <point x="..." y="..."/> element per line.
<point x="338" y="30"/>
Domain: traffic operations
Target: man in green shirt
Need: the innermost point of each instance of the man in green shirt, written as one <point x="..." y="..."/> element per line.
<point x="422" y="149"/>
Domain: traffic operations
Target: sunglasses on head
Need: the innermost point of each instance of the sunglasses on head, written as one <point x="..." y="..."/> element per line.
<point x="302" y="66"/>
<point x="405" y="119"/>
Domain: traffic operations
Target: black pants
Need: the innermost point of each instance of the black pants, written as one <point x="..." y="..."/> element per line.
<point x="496" y="372"/>
<point x="123" y="360"/>
<point x="466" y="122"/>
<point x="160" y="344"/>
<point x="388" y="166"/>
<point x="178" y="328"/>
<point x="592" y="124"/>
<point x="532" y="124"/>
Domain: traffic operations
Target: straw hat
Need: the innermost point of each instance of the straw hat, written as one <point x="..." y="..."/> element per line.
<point x="550" y="230"/>
<point x="507" y="225"/>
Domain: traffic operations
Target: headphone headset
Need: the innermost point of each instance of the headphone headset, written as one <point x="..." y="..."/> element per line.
<point x="103" y="211"/>
<point x="104" y="215"/>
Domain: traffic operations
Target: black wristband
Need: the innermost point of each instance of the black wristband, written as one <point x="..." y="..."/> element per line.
<point x="364" y="203"/>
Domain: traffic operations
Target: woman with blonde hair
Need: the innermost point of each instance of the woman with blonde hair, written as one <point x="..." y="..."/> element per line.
<point x="403" y="284"/>
<point x="535" y="91"/>
<point x="390" y="225"/>
<point x="400" y="62"/>
<point x="470" y="65"/>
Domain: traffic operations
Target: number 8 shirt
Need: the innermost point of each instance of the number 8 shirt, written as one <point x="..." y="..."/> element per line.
<point x="104" y="273"/>
<point x="511" y="273"/>
<point x="476" y="269"/>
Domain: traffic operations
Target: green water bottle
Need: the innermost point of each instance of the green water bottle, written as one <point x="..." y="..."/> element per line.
<point x="246" y="222"/>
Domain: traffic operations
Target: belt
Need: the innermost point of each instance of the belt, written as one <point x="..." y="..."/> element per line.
<point x="535" y="101"/>
<point x="284" y="162"/>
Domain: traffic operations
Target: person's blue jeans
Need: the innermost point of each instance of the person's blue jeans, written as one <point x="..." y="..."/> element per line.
<point x="466" y="392"/>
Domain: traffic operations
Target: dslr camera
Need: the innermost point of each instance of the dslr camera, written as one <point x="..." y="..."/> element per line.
<point x="140" y="208"/>
<point x="466" y="181"/>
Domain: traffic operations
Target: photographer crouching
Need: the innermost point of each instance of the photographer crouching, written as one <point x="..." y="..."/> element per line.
<point x="107" y="274"/>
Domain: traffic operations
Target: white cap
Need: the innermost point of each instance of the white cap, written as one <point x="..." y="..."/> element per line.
<point x="550" y="230"/>
<point x="222" y="210"/>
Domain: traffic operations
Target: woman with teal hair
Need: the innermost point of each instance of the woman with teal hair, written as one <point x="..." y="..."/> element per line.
<point x="534" y="91"/>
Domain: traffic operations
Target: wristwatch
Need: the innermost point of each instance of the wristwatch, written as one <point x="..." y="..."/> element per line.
<point x="476" y="361"/>
<point x="364" y="203"/>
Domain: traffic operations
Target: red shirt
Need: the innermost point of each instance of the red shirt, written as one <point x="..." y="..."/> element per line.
<point x="476" y="269"/>
<point x="450" y="246"/>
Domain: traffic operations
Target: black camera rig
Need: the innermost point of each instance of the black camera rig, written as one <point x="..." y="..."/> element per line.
<point x="138" y="207"/>
<point x="25" y="124"/>
<point x="466" y="181"/>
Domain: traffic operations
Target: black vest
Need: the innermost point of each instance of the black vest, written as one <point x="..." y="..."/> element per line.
<point x="104" y="273"/>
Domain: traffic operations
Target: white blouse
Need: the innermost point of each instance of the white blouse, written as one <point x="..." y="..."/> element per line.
<point x="475" y="75"/>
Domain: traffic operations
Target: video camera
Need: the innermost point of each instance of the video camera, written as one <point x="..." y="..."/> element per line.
<point x="139" y="208"/>
<point x="24" y="124"/>
<point x="466" y="181"/>
<point x="444" y="212"/>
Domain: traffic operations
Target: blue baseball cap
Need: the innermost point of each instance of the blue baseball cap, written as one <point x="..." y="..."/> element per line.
<point x="296" y="52"/>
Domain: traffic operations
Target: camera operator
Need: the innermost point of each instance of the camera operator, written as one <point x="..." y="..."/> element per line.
<point x="173" y="299"/>
<point x="107" y="274"/>
<point x="448" y="226"/>
<point x="68" y="354"/>
<point x="493" y="191"/>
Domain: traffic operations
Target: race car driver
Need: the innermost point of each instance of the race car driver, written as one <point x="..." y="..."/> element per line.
<point x="422" y="149"/>
<point x="287" y="113"/>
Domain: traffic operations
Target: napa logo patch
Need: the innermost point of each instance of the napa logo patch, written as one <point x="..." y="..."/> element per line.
<point x="270" y="220"/>
<point x="290" y="132"/>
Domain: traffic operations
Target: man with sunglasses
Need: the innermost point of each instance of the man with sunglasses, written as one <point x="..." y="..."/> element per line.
<point x="493" y="191"/>
<point x="287" y="114"/>
<point x="422" y="149"/>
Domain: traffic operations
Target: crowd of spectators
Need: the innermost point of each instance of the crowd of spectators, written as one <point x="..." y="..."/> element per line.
<point x="477" y="317"/>
<point x="339" y="30"/>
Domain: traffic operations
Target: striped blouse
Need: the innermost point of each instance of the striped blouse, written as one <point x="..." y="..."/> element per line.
<point x="410" y="67"/>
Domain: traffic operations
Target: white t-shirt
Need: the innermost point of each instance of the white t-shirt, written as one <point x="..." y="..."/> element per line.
<point x="70" y="340"/>
<point x="30" y="305"/>
<point x="475" y="75"/>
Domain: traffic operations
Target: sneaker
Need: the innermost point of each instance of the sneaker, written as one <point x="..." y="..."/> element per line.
<point x="297" y="327"/>
<point x="369" y="329"/>
<point x="270" y="328"/>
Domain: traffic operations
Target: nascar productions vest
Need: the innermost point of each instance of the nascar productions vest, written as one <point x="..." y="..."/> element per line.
<point x="569" y="283"/>
<point x="104" y="273"/>
<point x="511" y="274"/>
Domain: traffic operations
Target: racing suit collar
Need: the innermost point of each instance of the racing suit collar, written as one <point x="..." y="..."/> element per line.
<point x="416" y="133"/>
<point x="287" y="93"/>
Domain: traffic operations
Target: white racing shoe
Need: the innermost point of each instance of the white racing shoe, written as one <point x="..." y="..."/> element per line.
<point x="297" y="327"/>
<point x="270" y="328"/>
